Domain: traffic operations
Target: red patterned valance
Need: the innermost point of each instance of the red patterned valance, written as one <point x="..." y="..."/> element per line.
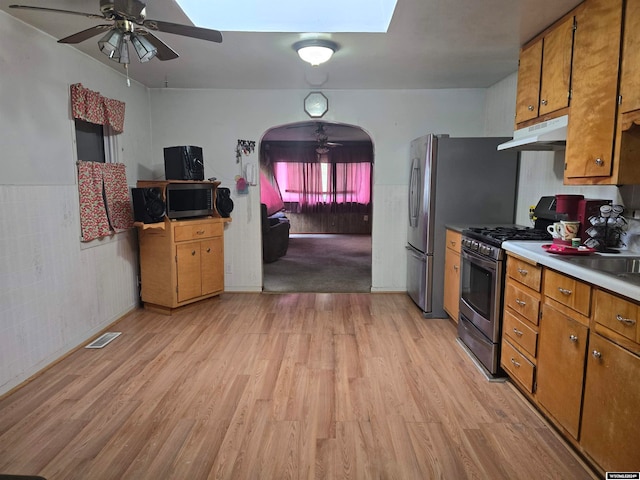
<point x="92" y="107"/>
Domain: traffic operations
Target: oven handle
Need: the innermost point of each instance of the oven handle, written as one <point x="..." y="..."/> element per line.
<point x="478" y="260"/>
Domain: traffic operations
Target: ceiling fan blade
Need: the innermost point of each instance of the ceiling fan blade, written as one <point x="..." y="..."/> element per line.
<point x="184" y="30"/>
<point x="86" y="34"/>
<point x="55" y="10"/>
<point x="165" y="52"/>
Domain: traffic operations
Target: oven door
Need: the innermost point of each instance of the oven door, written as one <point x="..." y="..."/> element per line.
<point x="480" y="293"/>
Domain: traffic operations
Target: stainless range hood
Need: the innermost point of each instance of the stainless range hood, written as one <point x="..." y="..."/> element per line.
<point x="548" y="135"/>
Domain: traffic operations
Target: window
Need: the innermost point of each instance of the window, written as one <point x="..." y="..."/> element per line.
<point x="89" y="141"/>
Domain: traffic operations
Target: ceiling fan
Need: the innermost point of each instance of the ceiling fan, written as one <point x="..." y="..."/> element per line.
<point x="323" y="144"/>
<point x="130" y="25"/>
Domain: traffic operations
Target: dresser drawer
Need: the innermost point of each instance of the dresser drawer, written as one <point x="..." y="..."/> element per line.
<point x="520" y="333"/>
<point x="525" y="273"/>
<point x="522" y="302"/>
<point x="617" y="314"/>
<point x="197" y="231"/>
<point x="453" y="239"/>
<point x="517" y="365"/>
<point x="568" y="291"/>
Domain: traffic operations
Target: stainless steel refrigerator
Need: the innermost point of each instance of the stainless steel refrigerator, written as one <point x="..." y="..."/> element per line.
<point x="455" y="181"/>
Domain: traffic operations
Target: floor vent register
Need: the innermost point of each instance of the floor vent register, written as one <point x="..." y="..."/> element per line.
<point x="103" y="340"/>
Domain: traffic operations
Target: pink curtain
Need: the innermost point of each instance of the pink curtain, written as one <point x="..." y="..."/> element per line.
<point x="316" y="186"/>
<point x="97" y="182"/>
<point x="92" y="107"/>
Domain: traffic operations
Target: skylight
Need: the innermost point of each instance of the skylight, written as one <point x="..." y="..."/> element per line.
<point x="362" y="16"/>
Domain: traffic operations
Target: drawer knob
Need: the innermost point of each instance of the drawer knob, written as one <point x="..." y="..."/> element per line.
<point x="208" y="250"/>
<point x="599" y="162"/>
<point x="455" y="267"/>
<point x="564" y="291"/>
<point x="520" y="302"/>
<point x="200" y="232"/>
<point x="573" y="338"/>
<point x="544" y="102"/>
<point x="522" y="271"/>
<point x="453" y="243"/>
<point x="193" y="253"/>
<point x="515" y="364"/>
<point x="596" y="354"/>
<point x="530" y="108"/>
<point x="517" y="332"/>
<point x="626" y="321"/>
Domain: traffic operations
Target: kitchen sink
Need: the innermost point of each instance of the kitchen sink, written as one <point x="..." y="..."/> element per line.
<point x="627" y="268"/>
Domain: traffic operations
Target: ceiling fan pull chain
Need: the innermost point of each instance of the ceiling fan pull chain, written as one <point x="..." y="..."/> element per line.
<point x="126" y="69"/>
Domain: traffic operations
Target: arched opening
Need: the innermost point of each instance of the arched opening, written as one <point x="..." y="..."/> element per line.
<point x="316" y="177"/>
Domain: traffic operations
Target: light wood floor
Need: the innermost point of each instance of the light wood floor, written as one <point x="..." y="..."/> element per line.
<point x="259" y="386"/>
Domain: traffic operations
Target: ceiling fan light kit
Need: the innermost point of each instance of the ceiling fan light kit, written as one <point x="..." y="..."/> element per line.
<point x="126" y="14"/>
<point x="315" y="51"/>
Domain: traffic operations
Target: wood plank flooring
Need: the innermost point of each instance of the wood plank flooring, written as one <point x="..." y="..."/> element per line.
<point x="291" y="386"/>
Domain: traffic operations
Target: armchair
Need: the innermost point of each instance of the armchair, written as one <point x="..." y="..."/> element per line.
<point x="275" y="235"/>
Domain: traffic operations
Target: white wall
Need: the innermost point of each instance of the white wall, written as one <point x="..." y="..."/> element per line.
<point x="215" y="120"/>
<point x="55" y="293"/>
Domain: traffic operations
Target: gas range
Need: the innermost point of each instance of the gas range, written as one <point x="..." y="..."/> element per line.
<point x="486" y="241"/>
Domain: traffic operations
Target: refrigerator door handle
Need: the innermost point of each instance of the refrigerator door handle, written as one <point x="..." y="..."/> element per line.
<point x="414" y="191"/>
<point x="415" y="253"/>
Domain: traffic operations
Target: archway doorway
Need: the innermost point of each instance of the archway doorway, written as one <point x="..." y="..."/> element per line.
<point x="317" y="176"/>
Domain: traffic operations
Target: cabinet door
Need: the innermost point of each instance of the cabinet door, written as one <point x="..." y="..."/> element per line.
<point x="556" y="67"/>
<point x="594" y="87"/>
<point x="611" y="412"/>
<point x="561" y="355"/>
<point x="188" y="269"/>
<point x="452" y="283"/>
<point x="212" y="265"/>
<point x="630" y="70"/>
<point x="528" y="93"/>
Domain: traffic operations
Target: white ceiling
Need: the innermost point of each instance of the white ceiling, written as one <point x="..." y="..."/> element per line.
<point x="430" y="44"/>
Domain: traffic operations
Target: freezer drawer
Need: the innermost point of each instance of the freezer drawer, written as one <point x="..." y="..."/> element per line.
<point x="419" y="274"/>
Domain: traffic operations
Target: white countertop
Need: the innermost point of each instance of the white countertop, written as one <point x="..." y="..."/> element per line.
<point x="534" y="252"/>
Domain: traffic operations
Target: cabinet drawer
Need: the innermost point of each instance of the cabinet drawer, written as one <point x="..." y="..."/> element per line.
<point x="517" y="365"/>
<point x="453" y="240"/>
<point x="568" y="291"/>
<point x="522" y="302"/>
<point x="520" y="333"/>
<point x="618" y="314"/>
<point x="197" y="231"/>
<point x="525" y="273"/>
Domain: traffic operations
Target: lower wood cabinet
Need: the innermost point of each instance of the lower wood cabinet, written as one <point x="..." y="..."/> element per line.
<point x="181" y="262"/>
<point x="451" y="301"/>
<point x="561" y="354"/>
<point x="611" y="411"/>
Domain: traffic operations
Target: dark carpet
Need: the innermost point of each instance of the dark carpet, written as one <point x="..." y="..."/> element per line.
<point x="322" y="263"/>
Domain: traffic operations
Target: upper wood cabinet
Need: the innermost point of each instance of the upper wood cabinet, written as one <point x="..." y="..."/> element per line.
<point x="592" y="120"/>
<point x="630" y="70"/>
<point x="544" y="72"/>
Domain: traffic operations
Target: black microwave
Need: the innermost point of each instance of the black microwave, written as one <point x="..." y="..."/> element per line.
<point x="185" y="200"/>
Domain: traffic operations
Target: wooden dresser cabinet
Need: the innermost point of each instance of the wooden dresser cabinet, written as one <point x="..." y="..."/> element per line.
<point x="181" y="262"/>
<point x="451" y="301"/>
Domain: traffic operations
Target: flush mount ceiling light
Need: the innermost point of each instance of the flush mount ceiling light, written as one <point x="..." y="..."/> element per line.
<point x="315" y="51"/>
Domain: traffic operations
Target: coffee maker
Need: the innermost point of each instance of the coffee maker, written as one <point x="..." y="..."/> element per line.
<point x="577" y="208"/>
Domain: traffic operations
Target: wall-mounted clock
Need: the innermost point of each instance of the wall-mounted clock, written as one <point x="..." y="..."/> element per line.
<point x="316" y="104"/>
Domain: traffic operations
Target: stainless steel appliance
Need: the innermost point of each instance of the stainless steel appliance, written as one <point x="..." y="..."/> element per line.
<point x="481" y="288"/>
<point x="454" y="181"/>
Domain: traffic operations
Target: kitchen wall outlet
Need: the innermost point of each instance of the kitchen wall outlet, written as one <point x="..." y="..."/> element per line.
<point x="366" y="218"/>
<point x="227" y="268"/>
